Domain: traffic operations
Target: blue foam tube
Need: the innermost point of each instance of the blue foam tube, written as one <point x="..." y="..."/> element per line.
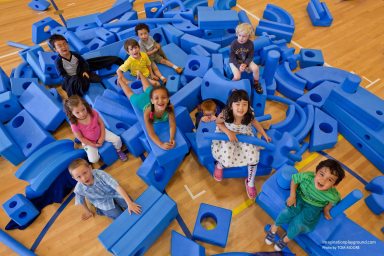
<point x="17" y="45"/>
<point x="135" y="22"/>
<point x="263" y="118"/>
<point x="243" y="17"/>
<point x="271" y="64"/>
<point x="15" y="245"/>
<point x="347" y="201"/>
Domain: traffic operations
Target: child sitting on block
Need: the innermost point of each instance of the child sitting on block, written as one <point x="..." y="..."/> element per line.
<point x="152" y="48"/>
<point x="311" y="194"/>
<point x="101" y="190"/>
<point x="241" y="55"/>
<point x="138" y="61"/>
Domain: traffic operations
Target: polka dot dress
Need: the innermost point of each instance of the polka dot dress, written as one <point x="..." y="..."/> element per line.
<point x="233" y="154"/>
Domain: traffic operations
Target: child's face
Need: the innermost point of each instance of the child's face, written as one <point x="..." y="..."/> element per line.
<point x="242" y="37"/>
<point x="208" y="113"/>
<point x="61" y="47"/>
<point x="83" y="174"/>
<point x="324" y="179"/>
<point x="143" y="34"/>
<point x="160" y="100"/>
<point x="134" y="51"/>
<point x="239" y="108"/>
<point x="80" y="112"/>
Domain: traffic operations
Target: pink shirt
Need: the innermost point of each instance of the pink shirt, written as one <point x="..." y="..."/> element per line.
<point x="89" y="131"/>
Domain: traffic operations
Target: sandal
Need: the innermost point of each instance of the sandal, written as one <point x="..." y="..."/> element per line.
<point x="251" y="191"/>
<point x="218" y="173"/>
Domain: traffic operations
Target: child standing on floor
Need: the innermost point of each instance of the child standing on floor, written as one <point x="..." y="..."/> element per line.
<point x="241" y="55"/>
<point x="311" y="194"/>
<point x="101" y="190"/>
<point x="156" y="106"/>
<point x="138" y="61"/>
<point x="152" y="48"/>
<point x="237" y="118"/>
<point x="88" y="127"/>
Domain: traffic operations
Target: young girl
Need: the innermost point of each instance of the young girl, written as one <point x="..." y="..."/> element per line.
<point x="154" y="102"/>
<point x="89" y="128"/>
<point x="236" y="118"/>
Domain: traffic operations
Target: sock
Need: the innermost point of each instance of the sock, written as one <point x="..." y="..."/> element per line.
<point x="251" y="175"/>
<point x="174" y="67"/>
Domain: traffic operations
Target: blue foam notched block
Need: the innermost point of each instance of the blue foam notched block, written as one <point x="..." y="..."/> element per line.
<point x="47" y="62"/>
<point x="219" y="234"/>
<point x="196" y="66"/>
<point x="324" y="132"/>
<point x="221" y="19"/>
<point x="20" y="209"/>
<point x="8" y="147"/>
<point x="27" y="133"/>
<point x="9" y="106"/>
<point x="203" y="146"/>
<point x="41" y="30"/>
<point x="310" y="57"/>
<point x="319" y="13"/>
<point x="182" y="246"/>
<point x="189" y="95"/>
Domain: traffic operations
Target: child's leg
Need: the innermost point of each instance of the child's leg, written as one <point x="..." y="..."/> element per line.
<point x="92" y="153"/>
<point x="158" y="73"/>
<point x="235" y="71"/>
<point x="251" y="175"/>
<point x="112" y="213"/>
<point x="154" y="82"/>
<point x="166" y="62"/>
<point x="255" y="70"/>
<point x="218" y="172"/>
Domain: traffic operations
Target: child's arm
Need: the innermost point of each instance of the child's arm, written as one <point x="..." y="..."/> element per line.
<point x="250" y="54"/>
<point x="101" y="139"/>
<point x="151" y="132"/>
<point x="326" y="211"/>
<point x="172" y="128"/>
<point x="84" y="140"/>
<point x="153" y="76"/>
<point x="154" y="50"/>
<point x="260" y="129"/>
<point x="220" y="123"/>
<point x="144" y="81"/>
<point x="87" y="212"/>
<point x="132" y="206"/>
<point x="292" y="197"/>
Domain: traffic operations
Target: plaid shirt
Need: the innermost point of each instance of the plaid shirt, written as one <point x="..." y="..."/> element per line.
<point x="101" y="193"/>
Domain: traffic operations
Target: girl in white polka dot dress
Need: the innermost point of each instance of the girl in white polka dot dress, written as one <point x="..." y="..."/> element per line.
<point x="237" y="118"/>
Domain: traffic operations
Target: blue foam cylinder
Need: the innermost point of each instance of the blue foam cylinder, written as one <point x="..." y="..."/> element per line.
<point x="351" y="83"/>
<point x="15" y="245"/>
<point x="271" y="64"/>
<point x="347" y="201"/>
<point x="76" y="42"/>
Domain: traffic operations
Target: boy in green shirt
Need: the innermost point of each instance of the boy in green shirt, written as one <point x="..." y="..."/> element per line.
<point x="311" y="193"/>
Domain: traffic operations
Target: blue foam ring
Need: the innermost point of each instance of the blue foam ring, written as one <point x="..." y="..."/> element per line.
<point x="241" y="138"/>
<point x="130" y="23"/>
<point x="347" y="202"/>
<point x="169" y="3"/>
<point x="263" y="118"/>
<point x="14" y="245"/>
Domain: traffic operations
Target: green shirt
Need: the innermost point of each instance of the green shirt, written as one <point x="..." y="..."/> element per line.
<point x="310" y="194"/>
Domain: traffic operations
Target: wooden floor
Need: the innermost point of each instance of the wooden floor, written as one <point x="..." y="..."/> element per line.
<point x="354" y="42"/>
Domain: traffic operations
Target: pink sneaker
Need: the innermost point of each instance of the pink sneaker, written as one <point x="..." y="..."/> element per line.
<point x="218" y="173"/>
<point x="123" y="157"/>
<point x="251" y="191"/>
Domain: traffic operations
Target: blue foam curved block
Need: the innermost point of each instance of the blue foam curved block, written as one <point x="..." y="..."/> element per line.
<point x="19" y="85"/>
<point x="288" y="83"/>
<point x="196" y="66"/>
<point x="189" y="95"/>
<point x="376" y="185"/>
<point x="9" y="106"/>
<point x="187" y="41"/>
<point x="310" y="114"/>
<point x="131" y="139"/>
<point x="15" y="245"/>
<point x="277" y="14"/>
<point x="181" y="246"/>
<point x="43" y="106"/>
<point x="218" y="235"/>
<point x="324" y="132"/>
<point x="375" y="203"/>
<point x="8" y="147"/>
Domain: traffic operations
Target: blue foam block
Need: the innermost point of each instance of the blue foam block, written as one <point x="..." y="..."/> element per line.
<point x="181" y="246"/>
<point x="158" y="36"/>
<point x="47" y="62"/>
<point x="275" y="13"/>
<point x="319" y="13"/>
<point x="115" y="110"/>
<point x="324" y="132"/>
<point x="131" y="139"/>
<point x="196" y="66"/>
<point x="284" y="176"/>
<point x="14" y="245"/>
<point x="376" y="185"/>
<point x="288" y="83"/>
<point x="221" y="19"/>
<point x="218" y="62"/>
<point x="318" y="95"/>
<point x="218" y="235"/>
<point x="39" y="5"/>
<point x="183" y="119"/>
<point x="187" y="41"/>
<point x="144" y="142"/>
<point x="9" y="106"/>
<point x="114" y="125"/>
<point x="113" y="13"/>
<point x="259" y="100"/>
<point x="310" y="57"/>
<point x="9" y="149"/>
<point x="112" y="234"/>
<point x="41" y="29"/>
<point x="84" y="20"/>
<point x="118" y="98"/>
<point x="187" y="26"/>
<point x="20" y="209"/>
<point x="27" y="133"/>
<point x="145" y="232"/>
<point x="173" y="84"/>
<point x="310" y="114"/>
<point x="271" y="64"/>
<point x="95" y="44"/>
<point x="375" y="203"/>
<point x="204" y="145"/>
<point x="4" y="81"/>
<point x="108" y="153"/>
<point x="44" y="108"/>
<point x="76" y="42"/>
<point x="199" y="50"/>
<point x="95" y="89"/>
<point x="151" y="8"/>
<point x="172" y="34"/>
<point x="175" y="54"/>
<point x="105" y="35"/>
<point x="189" y="95"/>
<point x="279" y="30"/>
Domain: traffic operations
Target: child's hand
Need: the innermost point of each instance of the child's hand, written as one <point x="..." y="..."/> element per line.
<point x="172" y="143"/>
<point x="100" y="141"/>
<point x="133" y="207"/>
<point x="232" y="136"/>
<point x="155" y="78"/>
<point x="327" y="215"/>
<point x="166" y="145"/>
<point x="291" y="201"/>
<point x="243" y="67"/>
<point x="267" y="138"/>
<point x="86" y="215"/>
<point x="157" y="47"/>
<point x="85" y="74"/>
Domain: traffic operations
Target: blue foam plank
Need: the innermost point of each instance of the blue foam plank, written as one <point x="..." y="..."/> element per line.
<point x="279" y="30"/>
<point x="187" y="41"/>
<point x="9" y="149"/>
<point x="9" y="106"/>
<point x="318" y="95"/>
<point x="112" y="234"/>
<point x="86" y="35"/>
<point x="219" y="19"/>
<point x="172" y="34"/>
<point x="115" y="110"/>
<point x="324" y="132"/>
<point x="181" y="246"/>
<point x="108" y="50"/>
<point x="132" y="15"/>
<point x="199" y="50"/>
<point x="14" y="245"/>
<point x="204" y="145"/>
<point x="131" y="139"/>
<point x="113" y="12"/>
<point x="189" y="95"/>
<point x="175" y="54"/>
<point x="105" y="35"/>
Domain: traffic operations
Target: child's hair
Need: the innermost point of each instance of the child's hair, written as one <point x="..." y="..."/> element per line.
<point x="245" y="28"/>
<point x="141" y="26"/>
<point x="76" y="163"/>
<point x="169" y="108"/>
<point x="130" y="42"/>
<point x="208" y="105"/>
<point x="72" y="102"/>
<point x="236" y="96"/>
<point x="334" y="167"/>
<point x="54" y="38"/>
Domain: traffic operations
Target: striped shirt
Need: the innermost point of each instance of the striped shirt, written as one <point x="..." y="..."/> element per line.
<point x="310" y="194"/>
<point x="101" y="193"/>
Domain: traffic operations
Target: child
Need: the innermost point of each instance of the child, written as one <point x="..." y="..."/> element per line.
<point x="153" y="49"/>
<point x="237" y="118"/>
<point x="154" y="102"/>
<point x="137" y="61"/>
<point x="101" y="190"/>
<point x="241" y="55"/>
<point x="72" y="67"/>
<point x="311" y="194"/>
<point x="88" y="127"/>
<point x="207" y="112"/>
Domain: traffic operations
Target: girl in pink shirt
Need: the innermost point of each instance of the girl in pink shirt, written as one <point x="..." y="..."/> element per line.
<point x="88" y="127"/>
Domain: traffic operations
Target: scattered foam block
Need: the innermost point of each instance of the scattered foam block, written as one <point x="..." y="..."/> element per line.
<point x="279" y="30"/>
<point x="284" y="176"/>
<point x="288" y="83"/>
<point x="218" y="19"/>
<point x="175" y="54"/>
<point x="204" y="145"/>
<point x="41" y="29"/>
<point x="318" y="95"/>
<point x="277" y="14"/>
<point x="189" y="95"/>
<point x="43" y="107"/>
<point x="271" y="64"/>
<point x="9" y="106"/>
<point x="183" y="119"/>
<point x="319" y="13"/>
<point x="187" y="41"/>
<point x="47" y="62"/>
<point x="324" y="132"/>
<point x="199" y="50"/>
<point x="259" y="100"/>
<point x="151" y="8"/>
<point x="115" y="110"/>
<point x="20" y="209"/>
<point x="85" y="21"/>
<point x="4" y="81"/>
<point x="218" y="62"/>
<point x="95" y="44"/>
<point x="39" y="5"/>
<point x="76" y="42"/>
<point x="131" y="139"/>
<point x="173" y="84"/>
<point x="8" y="147"/>
<point x="181" y="246"/>
<point x="376" y="185"/>
<point x="95" y="89"/>
<point x="310" y="57"/>
<point x="219" y="234"/>
<point x="108" y="153"/>
<point x="14" y="245"/>
<point x="346" y="202"/>
<point x="224" y="4"/>
<point x="113" y="13"/>
<point x="196" y="66"/>
<point x="172" y="34"/>
<point x="375" y="203"/>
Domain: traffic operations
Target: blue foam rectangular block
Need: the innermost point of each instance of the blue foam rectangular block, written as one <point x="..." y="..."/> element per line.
<point x="175" y="54"/>
<point x="187" y="41"/>
<point x="182" y="246"/>
<point x="47" y="62"/>
<point x="173" y="84"/>
<point x="9" y="106"/>
<point x="199" y="50"/>
<point x="204" y="145"/>
<point x="114" y="125"/>
<point x="86" y="35"/>
<point x="324" y="132"/>
<point x="108" y="153"/>
<point x="126" y="33"/>
<point x="108" y="50"/>
<point x="20" y="209"/>
<point x="95" y="89"/>
<point x="183" y="119"/>
<point x="107" y="36"/>
<point x="310" y="57"/>
<point x="9" y="149"/>
<point x="115" y="110"/>
<point x="4" y="81"/>
<point x="172" y="34"/>
<point x="117" y="97"/>
<point x="18" y="85"/>
<point x="218" y="62"/>
<point x="113" y="13"/>
<point x="131" y="139"/>
<point x="188" y="96"/>
<point x="219" y="19"/>
<point x="95" y="44"/>
<point x="196" y="66"/>
<point x="158" y="36"/>
<point x="81" y="20"/>
<point x="144" y="142"/>
<point x="112" y="234"/>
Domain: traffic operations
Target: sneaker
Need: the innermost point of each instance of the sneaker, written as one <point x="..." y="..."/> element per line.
<point x="270" y="237"/>
<point x="218" y="173"/>
<point x="93" y="78"/>
<point x="123" y="157"/>
<point x="258" y="87"/>
<point x="251" y="191"/>
<point x="179" y="70"/>
<point x="280" y="245"/>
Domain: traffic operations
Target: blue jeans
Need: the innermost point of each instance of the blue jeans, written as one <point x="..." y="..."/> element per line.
<point x="120" y="207"/>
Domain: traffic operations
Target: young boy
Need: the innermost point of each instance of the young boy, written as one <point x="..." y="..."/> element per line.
<point x="207" y="112"/>
<point x="101" y="190"/>
<point x="241" y="55"/>
<point x="72" y="67"/>
<point x="311" y="194"/>
<point x="153" y="49"/>
<point x="137" y="61"/>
